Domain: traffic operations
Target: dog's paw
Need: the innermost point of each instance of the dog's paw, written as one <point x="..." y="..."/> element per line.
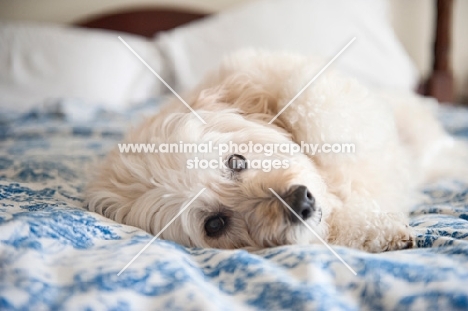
<point x="398" y="237"/>
<point x="402" y="239"/>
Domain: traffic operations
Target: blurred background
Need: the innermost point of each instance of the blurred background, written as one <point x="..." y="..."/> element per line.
<point x="414" y="23"/>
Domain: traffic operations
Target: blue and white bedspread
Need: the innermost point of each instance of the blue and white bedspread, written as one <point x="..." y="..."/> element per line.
<point x="55" y="255"/>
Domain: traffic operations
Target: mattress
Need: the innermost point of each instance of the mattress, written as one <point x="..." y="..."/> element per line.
<point x="56" y="255"/>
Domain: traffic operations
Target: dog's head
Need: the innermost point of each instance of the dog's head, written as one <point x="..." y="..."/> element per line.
<point x="249" y="198"/>
<point x="239" y="206"/>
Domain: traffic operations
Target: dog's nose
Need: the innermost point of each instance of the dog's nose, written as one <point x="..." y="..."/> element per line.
<point x="301" y="201"/>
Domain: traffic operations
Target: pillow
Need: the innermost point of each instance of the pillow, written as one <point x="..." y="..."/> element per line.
<point x="310" y="27"/>
<point x="43" y="62"/>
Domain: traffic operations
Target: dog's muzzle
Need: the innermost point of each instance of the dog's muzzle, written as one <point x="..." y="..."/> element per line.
<point x="303" y="203"/>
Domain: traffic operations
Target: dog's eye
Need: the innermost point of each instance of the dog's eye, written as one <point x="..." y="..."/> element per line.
<point x="215" y="225"/>
<point x="237" y="163"/>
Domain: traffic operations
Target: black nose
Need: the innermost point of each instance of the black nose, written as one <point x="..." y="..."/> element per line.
<point x="301" y="201"/>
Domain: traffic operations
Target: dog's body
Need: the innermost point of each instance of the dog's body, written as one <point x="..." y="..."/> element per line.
<point x="359" y="200"/>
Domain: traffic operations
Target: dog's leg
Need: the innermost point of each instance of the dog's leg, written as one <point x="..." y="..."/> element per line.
<point x="357" y="225"/>
<point x="438" y="154"/>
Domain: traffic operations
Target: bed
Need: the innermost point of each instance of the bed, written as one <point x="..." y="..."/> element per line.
<point x="56" y="255"/>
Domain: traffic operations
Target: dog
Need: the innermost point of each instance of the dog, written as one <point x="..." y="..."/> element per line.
<point x="359" y="200"/>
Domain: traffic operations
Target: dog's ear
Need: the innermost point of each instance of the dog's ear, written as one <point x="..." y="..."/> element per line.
<point x="255" y="100"/>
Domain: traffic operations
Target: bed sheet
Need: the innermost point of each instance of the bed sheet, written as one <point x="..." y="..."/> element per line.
<point x="56" y="255"/>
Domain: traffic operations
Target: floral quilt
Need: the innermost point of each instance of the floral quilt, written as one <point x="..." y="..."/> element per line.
<point x="56" y="255"/>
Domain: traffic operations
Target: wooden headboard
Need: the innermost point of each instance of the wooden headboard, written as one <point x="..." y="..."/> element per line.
<point x="149" y="21"/>
<point x="142" y="21"/>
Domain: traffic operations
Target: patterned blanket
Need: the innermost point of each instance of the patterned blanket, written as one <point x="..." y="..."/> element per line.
<point x="55" y="255"/>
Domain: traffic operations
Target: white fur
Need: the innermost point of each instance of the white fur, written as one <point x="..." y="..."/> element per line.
<point x="365" y="196"/>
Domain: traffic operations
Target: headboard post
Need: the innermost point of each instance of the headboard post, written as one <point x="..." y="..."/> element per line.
<point x="440" y="83"/>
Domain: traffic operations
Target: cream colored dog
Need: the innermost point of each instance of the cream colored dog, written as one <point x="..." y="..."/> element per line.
<point x="359" y="199"/>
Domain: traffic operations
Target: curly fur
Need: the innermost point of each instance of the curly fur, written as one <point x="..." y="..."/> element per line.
<point x="364" y="196"/>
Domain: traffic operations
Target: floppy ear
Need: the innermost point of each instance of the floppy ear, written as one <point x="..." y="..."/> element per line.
<point x="254" y="99"/>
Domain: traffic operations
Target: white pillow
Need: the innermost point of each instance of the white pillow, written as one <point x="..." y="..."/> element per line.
<point x="43" y="62"/>
<point x="310" y="27"/>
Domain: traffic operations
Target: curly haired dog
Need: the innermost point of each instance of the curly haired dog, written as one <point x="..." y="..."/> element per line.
<point x="359" y="199"/>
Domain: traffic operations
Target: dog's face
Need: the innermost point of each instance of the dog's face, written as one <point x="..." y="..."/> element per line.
<point x="238" y="207"/>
